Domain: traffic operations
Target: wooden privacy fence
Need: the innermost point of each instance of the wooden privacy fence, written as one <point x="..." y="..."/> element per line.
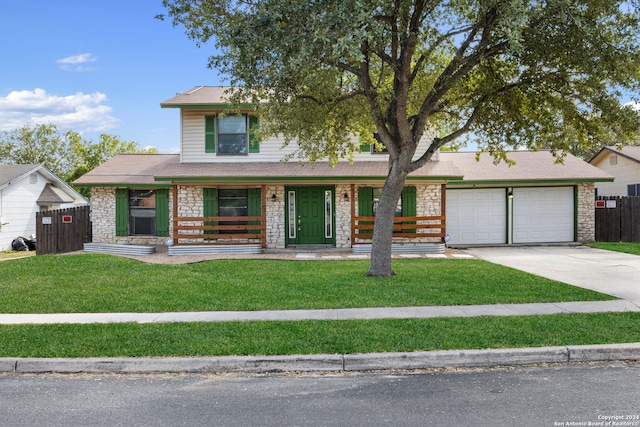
<point x="62" y="230"/>
<point x="617" y="219"/>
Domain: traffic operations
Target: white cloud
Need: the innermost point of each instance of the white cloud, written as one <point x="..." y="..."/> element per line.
<point x="76" y="62"/>
<point x="79" y="112"/>
<point x="634" y="105"/>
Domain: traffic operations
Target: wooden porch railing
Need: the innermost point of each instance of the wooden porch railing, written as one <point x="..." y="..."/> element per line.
<point x="404" y="227"/>
<point x="208" y="230"/>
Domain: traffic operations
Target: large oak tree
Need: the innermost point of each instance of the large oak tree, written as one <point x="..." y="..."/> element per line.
<point x="510" y="73"/>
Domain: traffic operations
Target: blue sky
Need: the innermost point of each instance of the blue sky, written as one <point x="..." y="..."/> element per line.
<point x="97" y="66"/>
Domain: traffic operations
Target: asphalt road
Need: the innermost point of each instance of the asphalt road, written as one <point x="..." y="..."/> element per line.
<point x="547" y="395"/>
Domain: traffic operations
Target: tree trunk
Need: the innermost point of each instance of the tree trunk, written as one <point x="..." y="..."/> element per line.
<point x="383" y="226"/>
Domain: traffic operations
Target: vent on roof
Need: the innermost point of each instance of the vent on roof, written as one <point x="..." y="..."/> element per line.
<point x="613" y="160"/>
<point x="195" y="90"/>
<point x="33" y="178"/>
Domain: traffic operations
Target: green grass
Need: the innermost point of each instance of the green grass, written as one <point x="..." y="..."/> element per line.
<point x="104" y="283"/>
<point x="15" y="254"/>
<point x="626" y="247"/>
<point x="315" y="337"/>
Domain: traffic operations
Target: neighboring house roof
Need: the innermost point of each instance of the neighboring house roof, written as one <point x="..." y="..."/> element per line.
<point x="13" y="173"/>
<point x="459" y="168"/>
<point x="631" y="152"/>
<point x="201" y="97"/>
<point x="56" y="192"/>
<point x="530" y="166"/>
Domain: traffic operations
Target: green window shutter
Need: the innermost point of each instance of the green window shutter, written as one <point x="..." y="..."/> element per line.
<point x="210" y="208"/>
<point x="209" y="134"/>
<point x="122" y="212"/>
<point x="365" y="201"/>
<point x="254" y="206"/>
<point x="254" y="142"/>
<point x="162" y="212"/>
<point x="409" y="205"/>
<point x="364" y="148"/>
<point x="365" y="206"/>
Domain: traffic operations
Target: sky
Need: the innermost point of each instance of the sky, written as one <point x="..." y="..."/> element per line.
<point x="97" y="66"/>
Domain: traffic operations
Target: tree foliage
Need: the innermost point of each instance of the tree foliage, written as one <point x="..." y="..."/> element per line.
<point x="508" y="73"/>
<point x="67" y="155"/>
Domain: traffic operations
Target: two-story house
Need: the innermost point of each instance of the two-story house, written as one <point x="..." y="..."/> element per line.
<point x="624" y="164"/>
<point x="227" y="191"/>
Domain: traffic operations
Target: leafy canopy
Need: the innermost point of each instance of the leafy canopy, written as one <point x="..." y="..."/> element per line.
<point x="509" y="73"/>
<point x="67" y="155"/>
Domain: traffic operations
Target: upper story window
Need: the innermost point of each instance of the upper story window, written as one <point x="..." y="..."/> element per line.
<point x="230" y="135"/>
<point x="379" y="148"/>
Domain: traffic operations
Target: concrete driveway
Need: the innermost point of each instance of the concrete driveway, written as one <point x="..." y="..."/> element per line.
<point x="612" y="273"/>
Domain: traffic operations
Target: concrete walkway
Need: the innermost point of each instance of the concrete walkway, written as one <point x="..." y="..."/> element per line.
<point x="608" y="272"/>
<point x="331" y="314"/>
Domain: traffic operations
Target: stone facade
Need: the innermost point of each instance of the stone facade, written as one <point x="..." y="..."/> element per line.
<point x="586" y="212"/>
<point x="190" y="204"/>
<point x="103" y="218"/>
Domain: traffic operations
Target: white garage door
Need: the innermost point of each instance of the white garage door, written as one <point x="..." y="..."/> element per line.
<point x="477" y="216"/>
<point x="543" y="215"/>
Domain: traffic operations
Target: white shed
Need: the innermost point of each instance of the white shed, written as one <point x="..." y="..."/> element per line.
<point x="25" y="190"/>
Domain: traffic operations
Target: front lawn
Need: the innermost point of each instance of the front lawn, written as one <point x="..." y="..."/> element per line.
<point x="626" y="247"/>
<point x="105" y="283"/>
<point x="315" y="337"/>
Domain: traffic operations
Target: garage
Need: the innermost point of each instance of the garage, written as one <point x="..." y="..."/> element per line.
<point x="477" y="216"/>
<point x="485" y="216"/>
<point x="543" y="214"/>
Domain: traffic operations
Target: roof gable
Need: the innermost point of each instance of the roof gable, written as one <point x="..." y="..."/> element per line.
<point x="10" y="174"/>
<point x="631" y="152"/>
<point x="13" y="173"/>
<point x="204" y="97"/>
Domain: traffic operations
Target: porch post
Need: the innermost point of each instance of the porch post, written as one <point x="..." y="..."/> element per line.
<point x="443" y="210"/>
<point x="263" y="220"/>
<point x="352" y="197"/>
<point x="174" y="220"/>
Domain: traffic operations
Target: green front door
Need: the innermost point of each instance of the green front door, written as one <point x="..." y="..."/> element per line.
<point x="310" y="215"/>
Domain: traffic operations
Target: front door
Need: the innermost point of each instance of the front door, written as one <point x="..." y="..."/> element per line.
<point x="310" y="215"/>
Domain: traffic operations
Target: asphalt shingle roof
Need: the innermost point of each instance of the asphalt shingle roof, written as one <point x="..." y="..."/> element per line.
<point x="158" y="168"/>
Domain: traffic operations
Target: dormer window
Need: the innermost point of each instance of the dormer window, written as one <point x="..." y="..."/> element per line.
<point x="230" y="135"/>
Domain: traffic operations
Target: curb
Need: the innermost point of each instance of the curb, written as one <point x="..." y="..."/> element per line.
<point x="324" y="363"/>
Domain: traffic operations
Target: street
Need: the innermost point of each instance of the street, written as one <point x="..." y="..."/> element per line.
<point x="555" y="395"/>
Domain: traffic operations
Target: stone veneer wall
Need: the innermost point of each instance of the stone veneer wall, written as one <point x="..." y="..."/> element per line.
<point x="586" y="212"/>
<point x="103" y="217"/>
<point x="190" y="203"/>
